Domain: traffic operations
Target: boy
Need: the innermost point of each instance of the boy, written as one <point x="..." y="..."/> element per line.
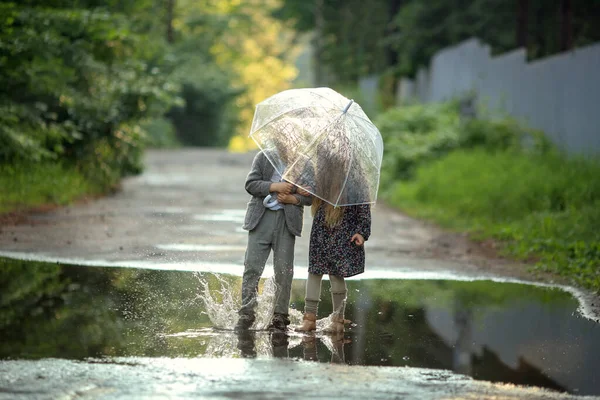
<point x="271" y="226"/>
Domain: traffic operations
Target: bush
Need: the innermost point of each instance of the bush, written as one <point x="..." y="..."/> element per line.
<point x="418" y="134"/>
<point x="206" y="115"/>
<point x="415" y="134"/>
<point x="160" y="133"/>
<point x="75" y="80"/>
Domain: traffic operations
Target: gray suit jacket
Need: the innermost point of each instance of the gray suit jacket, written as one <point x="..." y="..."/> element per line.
<point x="258" y="182"/>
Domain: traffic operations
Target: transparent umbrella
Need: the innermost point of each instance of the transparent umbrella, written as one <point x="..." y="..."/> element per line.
<point x="321" y="141"/>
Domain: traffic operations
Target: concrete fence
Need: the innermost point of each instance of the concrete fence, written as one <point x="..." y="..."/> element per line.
<point x="559" y="94"/>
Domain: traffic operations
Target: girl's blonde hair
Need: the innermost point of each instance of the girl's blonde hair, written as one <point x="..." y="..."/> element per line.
<point x="333" y="215"/>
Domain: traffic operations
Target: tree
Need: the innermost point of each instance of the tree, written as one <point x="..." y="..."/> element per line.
<point x="348" y="36"/>
<point x="259" y="50"/>
<point x="77" y="81"/>
<point x="522" y="22"/>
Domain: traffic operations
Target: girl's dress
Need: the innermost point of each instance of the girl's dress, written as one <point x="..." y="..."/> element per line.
<point x="331" y="251"/>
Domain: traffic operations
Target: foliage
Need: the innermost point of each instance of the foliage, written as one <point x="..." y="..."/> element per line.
<point x="413" y="135"/>
<point x="362" y="38"/>
<point x="495" y="178"/>
<point x="416" y="134"/>
<point x="235" y="54"/>
<point x="544" y="207"/>
<point x="205" y="115"/>
<point x="424" y="28"/>
<point x="351" y="36"/>
<point x="75" y="84"/>
<point x="260" y="51"/>
<point x="160" y="133"/>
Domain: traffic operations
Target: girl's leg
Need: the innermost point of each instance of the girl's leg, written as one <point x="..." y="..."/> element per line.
<point x="313" y="293"/>
<point x="338" y="299"/>
<point x="311" y="303"/>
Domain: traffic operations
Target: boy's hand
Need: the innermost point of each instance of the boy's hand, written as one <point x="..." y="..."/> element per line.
<point x="358" y="239"/>
<point x="281" y="187"/>
<point x="287" y="199"/>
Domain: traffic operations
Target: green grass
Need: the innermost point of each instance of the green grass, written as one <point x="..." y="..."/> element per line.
<point x="29" y="185"/>
<point x="541" y="206"/>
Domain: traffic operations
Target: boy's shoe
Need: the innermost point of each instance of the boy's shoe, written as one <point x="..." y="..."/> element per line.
<point x="279" y="323"/>
<point x="245" y="321"/>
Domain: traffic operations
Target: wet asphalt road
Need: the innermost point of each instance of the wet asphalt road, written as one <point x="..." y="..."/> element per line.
<point x="188" y="208"/>
<point x="185" y="213"/>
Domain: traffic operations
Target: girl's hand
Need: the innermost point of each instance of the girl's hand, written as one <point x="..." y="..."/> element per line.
<point x="303" y="192"/>
<point x="358" y="239"/>
<point x="287" y="199"/>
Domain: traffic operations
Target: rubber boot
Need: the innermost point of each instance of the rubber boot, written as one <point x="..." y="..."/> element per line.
<point x="309" y="323"/>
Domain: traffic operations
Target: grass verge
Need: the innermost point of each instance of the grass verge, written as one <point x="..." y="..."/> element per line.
<point x="544" y="207"/>
<point x="30" y="185"/>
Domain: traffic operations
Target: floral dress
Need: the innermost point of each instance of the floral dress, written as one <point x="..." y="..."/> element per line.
<point x="331" y="251"/>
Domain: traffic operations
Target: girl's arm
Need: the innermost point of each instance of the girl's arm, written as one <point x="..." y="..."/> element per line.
<point x="364" y="220"/>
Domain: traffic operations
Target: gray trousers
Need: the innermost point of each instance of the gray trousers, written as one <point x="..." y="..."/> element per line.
<point x="271" y="233"/>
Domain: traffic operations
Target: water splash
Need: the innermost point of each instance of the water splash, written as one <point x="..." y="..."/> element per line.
<point x="223" y="302"/>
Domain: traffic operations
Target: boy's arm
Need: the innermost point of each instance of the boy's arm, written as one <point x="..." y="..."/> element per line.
<point x="255" y="184"/>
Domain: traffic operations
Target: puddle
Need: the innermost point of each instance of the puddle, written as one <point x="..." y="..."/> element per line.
<point x="500" y="332"/>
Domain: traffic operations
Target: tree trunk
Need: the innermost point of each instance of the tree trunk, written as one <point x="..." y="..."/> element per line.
<point x="318" y="49"/>
<point x="392" y="54"/>
<point x="566" y="25"/>
<point x="522" y="14"/>
<point x="170" y="8"/>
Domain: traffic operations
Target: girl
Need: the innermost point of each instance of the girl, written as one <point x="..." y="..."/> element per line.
<point x="336" y="248"/>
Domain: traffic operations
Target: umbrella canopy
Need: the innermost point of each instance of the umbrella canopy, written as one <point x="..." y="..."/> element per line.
<point x="321" y="141"/>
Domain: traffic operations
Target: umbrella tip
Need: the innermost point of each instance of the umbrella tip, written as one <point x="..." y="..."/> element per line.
<point x="348" y="106"/>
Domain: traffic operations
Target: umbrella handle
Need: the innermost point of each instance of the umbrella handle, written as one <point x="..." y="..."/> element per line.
<point x="268" y="203"/>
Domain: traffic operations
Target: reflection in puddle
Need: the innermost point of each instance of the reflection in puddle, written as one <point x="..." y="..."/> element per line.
<point x="199" y="247"/>
<point x="501" y="332"/>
